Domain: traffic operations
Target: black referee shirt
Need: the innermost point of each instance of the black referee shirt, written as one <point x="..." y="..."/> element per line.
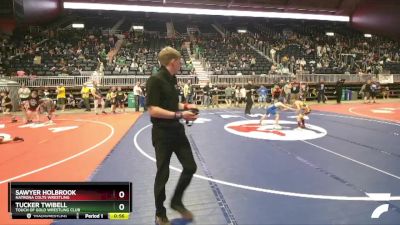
<point x="162" y="92"/>
<point x="248" y="88"/>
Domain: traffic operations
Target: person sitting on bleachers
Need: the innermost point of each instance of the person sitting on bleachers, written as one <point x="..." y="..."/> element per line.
<point x="117" y="69"/>
<point x="134" y="65"/>
<point x="21" y="73"/>
<point x="125" y="70"/>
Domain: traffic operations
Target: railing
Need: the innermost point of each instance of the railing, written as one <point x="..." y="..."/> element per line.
<point x="130" y="80"/>
<point x="256" y="79"/>
<point x="78" y="81"/>
<point x="352" y="78"/>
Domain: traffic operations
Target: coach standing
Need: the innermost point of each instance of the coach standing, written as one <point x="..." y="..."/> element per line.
<point x="168" y="134"/>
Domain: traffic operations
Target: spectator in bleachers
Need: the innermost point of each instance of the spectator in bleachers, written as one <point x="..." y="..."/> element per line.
<point x="134" y="65"/>
<point x="125" y="70"/>
<point x="117" y="69"/>
<point x="21" y="73"/>
<point x="272" y="54"/>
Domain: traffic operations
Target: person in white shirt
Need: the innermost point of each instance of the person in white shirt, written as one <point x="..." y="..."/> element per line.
<point x="242" y="95"/>
<point x="23" y="93"/>
<point x="272" y="52"/>
<point x="137" y="92"/>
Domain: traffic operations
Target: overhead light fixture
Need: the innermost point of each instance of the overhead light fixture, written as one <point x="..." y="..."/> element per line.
<point x="137" y="27"/>
<point x="330" y="34"/>
<point x="198" y="11"/>
<point x="242" y="31"/>
<point x="368" y="35"/>
<point x="78" y="25"/>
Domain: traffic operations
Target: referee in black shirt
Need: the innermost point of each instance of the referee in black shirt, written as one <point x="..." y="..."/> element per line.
<point x="168" y="134"/>
<point x="249" y="99"/>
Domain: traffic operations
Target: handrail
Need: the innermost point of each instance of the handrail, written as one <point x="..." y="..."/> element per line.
<point x="78" y="81"/>
<point x="130" y="80"/>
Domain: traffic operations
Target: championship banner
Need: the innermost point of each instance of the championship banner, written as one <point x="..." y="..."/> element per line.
<point x="385" y="78"/>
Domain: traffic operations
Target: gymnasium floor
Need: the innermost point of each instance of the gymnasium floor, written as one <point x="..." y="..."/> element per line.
<point x="247" y="174"/>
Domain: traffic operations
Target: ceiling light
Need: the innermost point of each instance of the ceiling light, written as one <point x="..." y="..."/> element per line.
<point x="330" y="34"/>
<point x="198" y="11"/>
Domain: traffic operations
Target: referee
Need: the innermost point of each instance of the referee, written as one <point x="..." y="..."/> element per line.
<point x="168" y="134"/>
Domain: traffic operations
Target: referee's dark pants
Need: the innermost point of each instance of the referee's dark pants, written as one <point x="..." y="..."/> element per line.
<point x="321" y="96"/>
<point x="167" y="140"/>
<point x="249" y="104"/>
<point x="339" y="96"/>
<point x="137" y="103"/>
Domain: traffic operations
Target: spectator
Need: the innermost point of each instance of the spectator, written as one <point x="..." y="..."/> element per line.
<point x="71" y="100"/>
<point x="287" y="90"/>
<point x="214" y="97"/>
<point x="262" y="96"/>
<point x="206" y="95"/>
<point x="137" y="92"/>
<point x="61" y="96"/>
<point x="6" y="105"/>
<point x="295" y="90"/>
<point x="188" y="92"/>
<point x="385" y="92"/>
<point x="85" y="93"/>
<point x="121" y="98"/>
<point x="229" y="92"/>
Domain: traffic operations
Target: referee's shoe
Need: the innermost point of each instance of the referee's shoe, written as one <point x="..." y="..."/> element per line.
<point x="162" y="220"/>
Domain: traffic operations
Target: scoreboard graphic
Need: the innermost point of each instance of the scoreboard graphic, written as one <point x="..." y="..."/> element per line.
<point x="70" y="200"/>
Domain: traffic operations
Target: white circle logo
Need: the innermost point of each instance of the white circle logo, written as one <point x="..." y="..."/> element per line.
<point x="286" y="131"/>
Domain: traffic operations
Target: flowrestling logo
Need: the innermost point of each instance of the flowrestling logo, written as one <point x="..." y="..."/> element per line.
<point x="287" y="130"/>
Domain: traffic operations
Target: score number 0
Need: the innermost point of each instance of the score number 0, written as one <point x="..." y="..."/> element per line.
<point x="121" y="206"/>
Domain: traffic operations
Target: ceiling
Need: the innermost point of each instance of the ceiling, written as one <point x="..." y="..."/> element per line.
<point x="332" y="7"/>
